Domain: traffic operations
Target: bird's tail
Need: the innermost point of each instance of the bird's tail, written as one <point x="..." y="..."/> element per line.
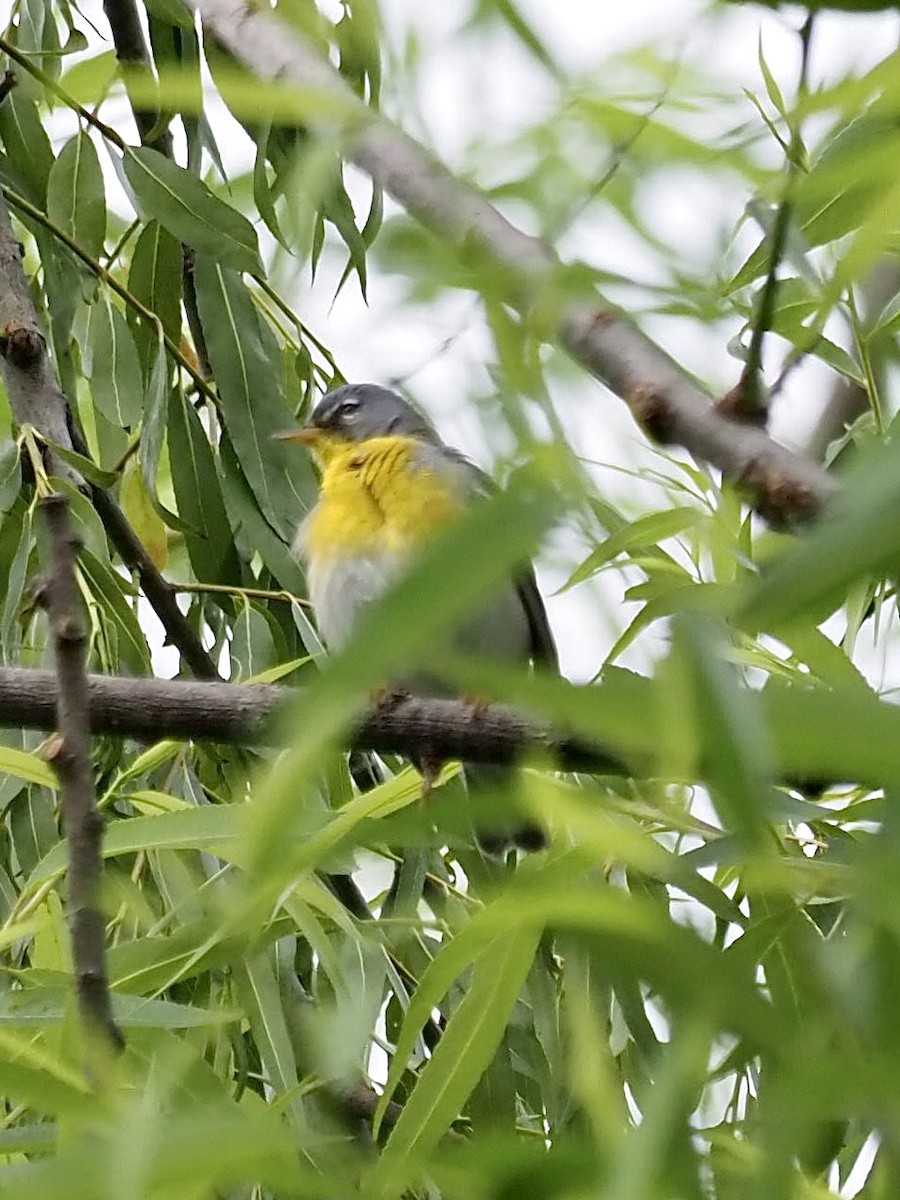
<point x="487" y="779"/>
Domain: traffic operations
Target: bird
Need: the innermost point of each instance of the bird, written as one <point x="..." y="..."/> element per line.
<point x="388" y="483"/>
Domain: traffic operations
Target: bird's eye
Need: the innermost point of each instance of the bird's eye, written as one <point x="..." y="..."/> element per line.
<point x="349" y="409"/>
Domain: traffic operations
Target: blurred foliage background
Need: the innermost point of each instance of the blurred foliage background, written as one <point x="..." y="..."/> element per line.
<point x="692" y="992"/>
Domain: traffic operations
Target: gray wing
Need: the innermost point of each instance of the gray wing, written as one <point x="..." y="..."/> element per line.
<point x="470" y="480"/>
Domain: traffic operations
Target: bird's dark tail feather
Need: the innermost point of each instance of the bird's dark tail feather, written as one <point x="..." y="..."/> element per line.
<point x="518" y="834"/>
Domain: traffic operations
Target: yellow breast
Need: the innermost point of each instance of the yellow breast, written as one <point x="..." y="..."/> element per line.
<point x="376" y="495"/>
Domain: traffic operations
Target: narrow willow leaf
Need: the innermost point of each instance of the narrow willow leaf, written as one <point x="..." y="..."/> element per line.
<point x="155" y="278"/>
<point x="179" y="200"/>
<point x="209" y="828"/>
<point x="252" y="532"/>
<point x="156" y="409"/>
<point x="16" y="544"/>
<point x="76" y="197"/>
<point x="28" y="766"/>
<point x="10" y="474"/>
<point x="260" y="999"/>
<point x="37" y="1005"/>
<point x="32" y="826"/>
<point x="737" y="754"/>
<point x="33" y="1073"/>
<point x="111" y="593"/>
<point x="252" y="645"/>
<point x="27" y="146"/>
<point x="65" y="285"/>
<point x="116" y="382"/>
<point x="145" y="520"/>
<point x="199" y="496"/>
<point x="247" y="366"/>
<point x="85" y="467"/>
<point x="858" y="536"/>
<point x="462" y="1055"/>
<point x="173" y="11"/>
<point x="645" y="531"/>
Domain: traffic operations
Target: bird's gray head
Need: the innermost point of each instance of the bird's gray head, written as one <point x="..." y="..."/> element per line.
<point x="358" y="411"/>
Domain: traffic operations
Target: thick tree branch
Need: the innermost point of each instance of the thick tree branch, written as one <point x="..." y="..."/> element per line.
<point x="150" y="709"/>
<point x="35" y="396"/>
<point x="71" y="757"/>
<point x="663" y="398"/>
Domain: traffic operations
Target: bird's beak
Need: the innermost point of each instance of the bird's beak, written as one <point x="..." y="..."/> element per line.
<point x="307" y="435"/>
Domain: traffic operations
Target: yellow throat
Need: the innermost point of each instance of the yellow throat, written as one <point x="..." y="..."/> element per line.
<point x="374" y="495"/>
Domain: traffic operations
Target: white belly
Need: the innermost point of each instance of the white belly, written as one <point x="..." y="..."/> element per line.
<point x="340" y="588"/>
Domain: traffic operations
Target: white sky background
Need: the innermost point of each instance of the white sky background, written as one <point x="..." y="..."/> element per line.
<point x="484" y="89"/>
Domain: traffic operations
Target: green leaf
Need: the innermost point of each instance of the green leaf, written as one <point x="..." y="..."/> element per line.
<point x="111" y="593"/>
<point x="252" y="532"/>
<point x="459" y="1060"/>
<point x="27" y="146"/>
<point x="28" y="766"/>
<point x="211" y="827"/>
<point x="645" y="531"/>
<point x="32" y="826"/>
<point x="199" y="496"/>
<point x="76" y="197"/>
<point x="257" y="990"/>
<point x="858" y="536"/>
<point x="173" y="11"/>
<point x="153" y="425"/>
<point x="252" y="645"/>
<point x="155" y="278"/>
<point x="144" y="519"/>
<point x="50" y="1005"/>
<point x="10" y="474"/>
<point x="117" y="385"/>
<point x="184" y="204"/>
<point x="247" y="366"/>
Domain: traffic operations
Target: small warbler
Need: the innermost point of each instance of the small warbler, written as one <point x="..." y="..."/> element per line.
<point x="387" y="483"/>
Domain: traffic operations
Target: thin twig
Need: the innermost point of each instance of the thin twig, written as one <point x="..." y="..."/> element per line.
<point x="71" y="758"/>
<point x="747" y="401"/>
<point x="225" y="589"/>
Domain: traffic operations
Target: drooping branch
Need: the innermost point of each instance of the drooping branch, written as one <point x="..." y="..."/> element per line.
<point x="71" y="757"/>
<point x="150" y="709"/>
<point x="664" y="399"/>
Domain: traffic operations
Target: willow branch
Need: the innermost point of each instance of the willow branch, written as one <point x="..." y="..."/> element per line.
<point x="71" y="757"/>
<point x="663" y="398"/>
<point x="748" y="402"/>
